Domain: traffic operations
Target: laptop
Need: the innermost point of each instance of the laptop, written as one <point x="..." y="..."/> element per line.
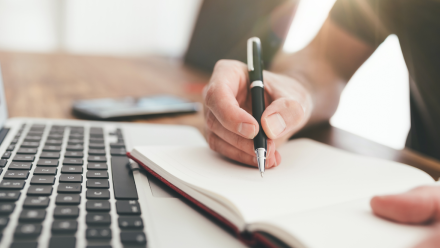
<point x="68" y="183"/>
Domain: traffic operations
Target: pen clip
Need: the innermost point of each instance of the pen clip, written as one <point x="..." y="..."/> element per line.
<point x="250" y="52"/>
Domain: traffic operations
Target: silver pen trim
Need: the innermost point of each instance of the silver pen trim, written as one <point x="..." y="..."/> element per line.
<point x="261" y="159"/>
<point x="250" y="58"/>
<point x="257" y="83"/>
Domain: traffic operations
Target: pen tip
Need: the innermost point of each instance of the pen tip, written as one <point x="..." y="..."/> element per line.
<point x="261" y="173"/>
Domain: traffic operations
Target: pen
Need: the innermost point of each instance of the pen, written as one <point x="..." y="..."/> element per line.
<point x="255" y="68"/>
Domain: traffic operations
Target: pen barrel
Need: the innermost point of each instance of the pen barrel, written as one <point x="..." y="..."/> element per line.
<point x="260" y="141"/>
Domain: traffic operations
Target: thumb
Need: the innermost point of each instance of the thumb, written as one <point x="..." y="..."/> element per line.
<point x="282" y="116"/>
<point x="419" y="205"/>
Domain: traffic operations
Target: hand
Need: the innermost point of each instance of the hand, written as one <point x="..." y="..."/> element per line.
<point x="418" y="206"/>
<point x="230" y="126"/>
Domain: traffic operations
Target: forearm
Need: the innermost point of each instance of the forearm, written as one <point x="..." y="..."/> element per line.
<point x="317" y="77"/>
<point x="324" y="67"/>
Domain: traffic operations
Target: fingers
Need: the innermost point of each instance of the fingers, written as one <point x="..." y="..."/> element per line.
<point x="227" y="86"/>
<point x="431" y="242"/>
<point x="420" y="205"/>
<point x="246" y="145"/>
<point x="282" y="116"/>
<point x="219" y="145"/>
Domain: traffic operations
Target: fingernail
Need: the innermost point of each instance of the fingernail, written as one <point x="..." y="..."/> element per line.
<point x="276" y="124"/>
<point x="247" y="130"/>
<point x="255" y="160"/>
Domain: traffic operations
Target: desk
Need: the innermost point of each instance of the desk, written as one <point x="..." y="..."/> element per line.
<point x="34" y="82"/>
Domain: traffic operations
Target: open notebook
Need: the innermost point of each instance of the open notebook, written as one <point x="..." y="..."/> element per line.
<point x="318" y="197"/>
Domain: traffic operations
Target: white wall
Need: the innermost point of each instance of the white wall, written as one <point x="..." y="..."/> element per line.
<point x="374" y="104"/>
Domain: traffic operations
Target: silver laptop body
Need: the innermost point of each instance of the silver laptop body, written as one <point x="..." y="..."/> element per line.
<point x="67" y="183"/>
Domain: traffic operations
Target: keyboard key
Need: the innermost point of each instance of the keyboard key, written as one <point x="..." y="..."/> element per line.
<point x="32" y="215"/>
<point x="38" y="133"/>
<point x="75" y="142"/>
<point x="133" y="238"/>
<point x="73" y="161"/>
<point x="63" y="241"/>
<point x="12" y="184"/>
<point x="97" y="159"/>
<point x="27" y="151"/>
<point x="97" y="194"/>
<point x="130" y="223"/>
<point x="66" y="212"/>
<point x="69" y="188"/>
<point x="118" y="152"/>
<point x="74" y="154"/>
<point x="98" y="174"/>
<point x="6" y="208"/>
<point x="123" y="181"/>
<point x="20" y="166"/>
<point x="98" y="205"/>
<point x="52" y="148"/>
<point x="27" y="230"/>
<point x="64" y="199"/>
<point x="66" y="178"/>
<point x="1" y="170"/>
<point x="53" y="142"/>
<point x="45" y="171"/>
<point x="37" y="179"/>
<point x="128" y="207"/>
<point x="36" y="202"/>
<point x="76" y="136"/>
<point x="98" y="183"/>
<point x="9" y="195"/>
<point x="97" y="166"/>
<point x="76" y="147"/>
<point x="14" y="141"/>
<point x="39" y="190"/>
<point x="96" y="146"/>
<point x="98" y="219"/>
<point x="48" y="162"/>
<point x="96" y="152"/>
<point x="3" y="162"/>
<point x="24" y="158"/>
<point x="96" y="131"/>
<point x="3" y="222"/>
<point x="6" y="155"/>
<point x="72" y="169"/>
<point x="50" y="155"/>
<point x="32" y="138"/>
<point x="21" y="244"/>
<point x="10" y="148"/>
<point x="117" y="145"/>
<point x="96" y="140"/>
<point x="55" y="136"/>
<point x="98" y="233"/>
<point x="30" y="144"/>
<point x="64" y="226"/>
<point x="16" y="174"/>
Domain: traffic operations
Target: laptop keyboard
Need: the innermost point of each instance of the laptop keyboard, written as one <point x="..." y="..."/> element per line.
<point x="60" y="175"/>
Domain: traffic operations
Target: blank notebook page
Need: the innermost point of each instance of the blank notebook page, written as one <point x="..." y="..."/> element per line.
<point x="311" y="175"/>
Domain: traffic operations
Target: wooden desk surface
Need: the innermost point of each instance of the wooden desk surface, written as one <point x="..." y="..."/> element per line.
<point x="45" y="85"/>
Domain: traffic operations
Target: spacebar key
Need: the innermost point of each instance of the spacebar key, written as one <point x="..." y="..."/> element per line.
<point x="123" y="181"/>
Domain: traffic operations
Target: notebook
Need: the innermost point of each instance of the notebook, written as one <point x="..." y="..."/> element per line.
<point x="318" y="197"/>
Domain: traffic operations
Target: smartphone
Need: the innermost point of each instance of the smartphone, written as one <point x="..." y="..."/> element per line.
<point x="110" y="108"/>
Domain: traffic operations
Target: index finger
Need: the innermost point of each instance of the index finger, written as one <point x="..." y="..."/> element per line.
<point x="228" y="86"/>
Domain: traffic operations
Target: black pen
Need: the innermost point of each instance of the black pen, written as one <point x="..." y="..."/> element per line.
<point x="255" y="68"/>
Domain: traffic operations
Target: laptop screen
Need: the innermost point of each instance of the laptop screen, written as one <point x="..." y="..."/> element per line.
<point x="3" y="108"/>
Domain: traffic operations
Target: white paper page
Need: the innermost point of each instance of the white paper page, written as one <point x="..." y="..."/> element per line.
<point x="311" y="175"/>
<point x="345" y="225"/>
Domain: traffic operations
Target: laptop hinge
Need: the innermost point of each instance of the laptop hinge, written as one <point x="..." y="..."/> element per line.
<point x="3" y="132"/>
